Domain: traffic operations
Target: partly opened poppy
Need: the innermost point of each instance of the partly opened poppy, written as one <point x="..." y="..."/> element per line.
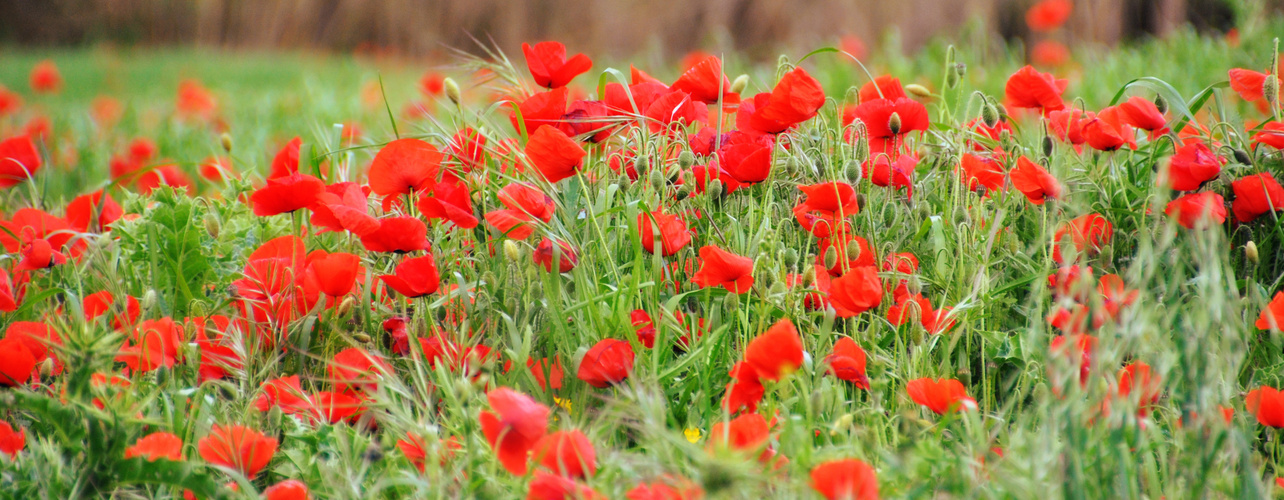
<point x="525" y="204"/>
<point x="795" y="99"/>
<point x="1034" y="181"/>
<point x="336" y="272"/>
<point x="356" y="369"/>
<point x="19" y="160"/>
<point x="549" y="65"/>
<point x="568" y="453"/>
<point x="1197" y="209"/>
<point x="672" y="232"/>
<point x="704" y="81"/>
<point x="561" y="252"/>
<point x="1192" y="166"/>
<point x="607" y="363"/>
<point x="11" y="441"/>
<point x="290" y="489"/>
<point x="404" y="166"/>
<point x="1272" y="317"/>
<point x="237" y="447"/>
<point x="397" y="234"/>
<point x="1267" y="404"/>
<point x="286" y="194"/>
<point x="856" y="291"/>
<point x="16" y="362"/>
<point x="725" y="269"/>
<point x="1256" y="195"/>
<point x="156" y="446"/>
<point x="414" y="277"/>
<point x="777" y="352"/>
<point x="847" y="362"/>
<point x="513" y="425"/>
<point x="1028" y="88"/>
<point x="555" y="155"/>
<point x="940" y="395"/>
<point x="546" y="486"/>
<point x="887" y="121"/>
<point x="849" y="479"/>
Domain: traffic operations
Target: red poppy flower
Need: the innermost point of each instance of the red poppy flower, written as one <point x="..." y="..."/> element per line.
<point x="237" y="447"/>
<point x="847" y="362"/>
<point x="1272" y="135"/>
<point x="333" y="407"/>
<point x="981" y="172"/>
<point x="219" y="353"/>
<point x="16" y="362"/>
<point x="632" y="100"/>
<point x="1192" y="166"/>
<point x="940" y="395"/>
<point x="450" y="201"/>
<point x="877" y="116"/>
<point x="549" y="65"/>
<point x="157" y="445"/>
<point x="547" y="486"/>
<point x="666" y="489"/>
<point x="607" y="363"/>
<point x="554" y="154"/>
<point x="1107" y="131"/>
<point x="397" y="234"/>
<point x="705" y="82"/>
<point x="39" y="339"/>
<point x="514" y="426"/>
<point x="748" y="432"/>
<point x="1138" y="377"/>
<point x="883" y="87"/>
<point x="343" y="207"/>
<point x="284" y="393"/>
<point x="1193" y="208"/>
<point x="795" y="99"/>
<point x="468" y="146"/>
<point x="567" y="453"/>
<point x="286" y="161"/>
<point x="845" y="243"/>
<point x="1088" y="233"/>
<point x="286" y="194"/>
<point x="745" y="159"/>
<point x="10" y="101"/>
<point x="546" y="375"/>
<point x="538" y="110"/>
<point x="195" y="101"/>
<point x="1079" y="349"/>
<point x="1067" y="125"/>
<point x="355" y="369"/>
<point x="290" y="489"/>
<point x="414" y="277"/>
<point x="855" y="292"/>
<point x="1143" y="114"/>
<point x="336" y="272"/>
<point x="882" y="170"/>
<point x="563" y="253"/>
<point x="1049" y="54"/>
<point x="672" y="111"/>
<point x="1272" y="317"/>
<point x="1256" y="195"/>
<point x="8" y="301"/>
<point x="1048" y="15"/>
<point x="19" y="160"/>
<point x="1267" y="404"/>
<point x="673" y="233"/>
<point x="93" y="212"/>
<point x="525" y="205"/>
<point x="45" y="78"/>
<point x="899" y="313"/>
<point x="1028" y="88"/>
<point x="12" y="441"/>
<point x="415" y="450"/>
<point x="826" y="207"/>
<point x="1034" y="181"/>
<point x="777" y="352"/>
<point x="1248" y="83"/>
<point x="848" y="479"/>
<point x="745" y="390"/>
<point x="404" y="166"/>
<point x="153" y="344"/>
<point x="725" y="269"/>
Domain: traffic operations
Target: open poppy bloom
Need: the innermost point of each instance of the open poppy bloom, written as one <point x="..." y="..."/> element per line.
<point x="525" y="204"/>
<point x="1196" y="209"/>
<point x="750" y="433"/>
<point x="847" y="362"/>
<point x="979" y="172"/>
<point x="567" y="453"/>
<point x="93" y="212"/>
<point x="17" y="364"/>
<point x="725" y="269"/>
<point x="398" y="234"/>
<point x="513" y="425"/>
<point x="1192" y="166"/>
<point x="355" y="369"/>
<point x="1034" y="181"/>
<point x="1272" y="317"/>
<point x="882" y="170"/>
<point x="414" y="277"/>
<point x="666" y="488"/>
<point x="153" y="344"/>
<point x="290" y="489"/>
<point x="795" y="99"/>
<point x="882" y="87"/>
<point x="450" y="201"/>
<point x="539" y="110"/>
<point x="607" y="363"/>
<point x="1256" y="195"/>
<point x="343" y="207"/>
<point x="1249" y="84"/>
<point x="332" y="407"/>
<point x="40" y="339"/>
<point x="284" y="393"/>
<point x="1088" y="233"/>
<point x="11" y="441"/>
<point x="336" y="273"/>
<point x="777" y="352"/>
<point x="1272" y="135"/>
<point x="1143" y="114"/>
<point x="19" y="160"/>
<point x="1078" y="349"/>
<point x="940" y="395"/>
<point x="286" y="160"/>
<point x="1108" y="131"/>
<point x="848" y="479"/>
<point x="673" y="234"/>
<point x="555" y="155"/>
<point x="705" y="83"/>
<point x="1048" y="15"/>
<point x="237" y="447"/>
<point x="888" y="121"/>
<point x="561" y="252"/>
<point x="404" y="166"/>
<point x="857" y="291"/>
<point x="1267" y="405"/>
<point x="549" y="65"/>
<point x="1028" y="88"/>
<point x="286" y="194"/>
<point x="45" y="78"/>
<point x="744" y="391"/>
<point x="826" y="207"/>
<point x="156" y="446"/>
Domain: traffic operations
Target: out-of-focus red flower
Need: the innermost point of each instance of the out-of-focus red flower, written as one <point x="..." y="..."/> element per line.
<point x="607" y="363"/>
<point x="1248" y="83"/>
<point x="8" y="300"/>
<point x="749" y="432"/>
<point x="156" y="446"/>
<point x="848" y="479"/>
<point x="1138" y="378"/>
<point x="1272" y="317"/>
<point x="777" y="352"/>
<point x="940" y="395"/>
<point x="981" y="172"/>
<point x="1028" y="88"/>
<point x="12" y="441"/>
<point x="16" y="362"/>
<point x="561" y="252"/>
<point x="857" y="291"/>
<point x="355" y="369"/>
<point x="45" y="78"/>
<point x="847" y="362"/>
<point x="1088" y="233"/>
<point x="19" y="160"/>
<point x="826" y="207"/>
<point x="1034" y="181"/>
<point x="1267" y="404"/>
<point x="1192" y="166"/>
<point x="286" y="194"/>
<point x="195" y="101"/>
<point x="888" y="121"/>
<point x="290" y="489"/>
<point x="548" y="376"/>
<point x="94" y="211"/>
<point x="744" y="391"/>
<point x="1256" y="195"/>
<point x="547" y="486"/>
<point x="1049" y="54"/>
<point x="1196" y="208"/>
<point x="153" y="344"/>
<point x="549" y="65"/>
<point x="666" y="488"/>
<point x="1272" y="134"/>
<point x="725" y="269"/>
<point x="539" y="110"/>
<point x="1143" y="114"/>
<point x="432" y="84"/>
<point x="1048" y="15"/>
<point x="468" y="146"/>
<point x="10" y="101"/>
<point x="513" y="425"/>
<point x="567" y="453"/>
<point x="99" y="303"/>
<point x="398" y="234"/>
<point x="705" y="83"/>
<point x="40" y="340"/>
<point x="237" y="447"/>
<point x="1079" y="349"/>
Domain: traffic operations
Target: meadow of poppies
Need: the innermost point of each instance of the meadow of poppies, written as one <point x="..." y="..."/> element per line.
<point x="977" y="272"/>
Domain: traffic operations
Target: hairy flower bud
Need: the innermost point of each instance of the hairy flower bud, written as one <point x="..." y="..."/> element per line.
<point x="1250" y="251"/>
<point x="656" y="178"/>
<point x="714" y="188"/>
<point x="212" y="225"/>
<point x="1271" y="89"/>
<point x="1161" y="104"/>
<point x="346" y="306"/>
<point x="831" y="257"/>
<point x="918" y="91"/>
<point x="989" y="115"/>
<point x="452" y="90"/>
<point x="894" y="123"/>
<point x="512" y="251"/>
<point x="853" y="95"/>
<point x="852" y="172"/>
<point x="361" y="337"/>
<point x="740" y="83"/>
<point x="686" y="159"/>
<point x="1242" y="157"/>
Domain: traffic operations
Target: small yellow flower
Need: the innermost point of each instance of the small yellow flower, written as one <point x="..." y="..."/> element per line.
<point x="692" y="433"/>
<point x="564" y="403"/>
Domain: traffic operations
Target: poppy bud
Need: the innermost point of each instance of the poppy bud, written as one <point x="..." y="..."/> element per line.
<point x="346" y="306"/>
<point x="624" y="182"/>
<point x="512" y="251"/>
<point x="212" y="225"/>
<point x="1161" y="104"/>
<point x="46" y="367"/>
<point x="789" y="256"/>
<point x="809" y="277"/>
<point x="852" y="172"/>
<point x="361" y="337"/>
<point x="843" y="422"/>
<point x="1250" y="251"/>
<point x="1271" y="89"/>
<point x="274" y="415"/>
<point x="686" y="159"/>
<point x="1047" y="146"/>
<point x="1242" y="157"/>
<point x="656" y="178"/>
<point x="961" y="68"/>
<point x="989" y="115"/>
<point x="739" y="84"/>
<point x="641" y="164"/>
<point x="783" y="66"/>
<point x="914" y="285"/>
<point x="226" y="141"/>
<point x="860" y="201"/>
<point x="714" y="189"/>
<point x="952" y="77"/>
<point x="683" y="192"/>
<point x="894" y="123"/>
<point x="777" y="288"/>
<point x="672" y="175"/>
<point x="831" y="257"/>
<point x="853" y="250"/>
<point x="1003" y="111"/>
<point x="730" y="303"/>
<point x="452" y="90"/>
<point x="149" y="300"/>
<point x="918" y="91"/>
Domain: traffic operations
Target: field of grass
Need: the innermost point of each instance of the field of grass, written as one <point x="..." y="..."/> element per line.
<point x="1115" y="355"/>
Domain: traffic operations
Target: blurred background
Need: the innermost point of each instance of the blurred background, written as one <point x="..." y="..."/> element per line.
<point x="619" y="28"/>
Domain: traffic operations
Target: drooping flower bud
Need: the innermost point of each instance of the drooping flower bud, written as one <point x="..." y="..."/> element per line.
<point x="656" y="178"/>
<point x="1242" y="157"/>
<point x="452" y="90"/>
<point x="1047" y="146"/>
<point x="831" y="257"/>
<point x="853" y="95"/>
<point x="852" y="172"/>
<point x="686" y="159"/>
<point x="714" y="188"/>
<point x="1161" y="104"/>
<point x="990" y="115"/>
<point x="212" y="225"/>
<point x="740" y="83"/>
<point x="361" y="337"/>
<point x="512" y="251"/>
